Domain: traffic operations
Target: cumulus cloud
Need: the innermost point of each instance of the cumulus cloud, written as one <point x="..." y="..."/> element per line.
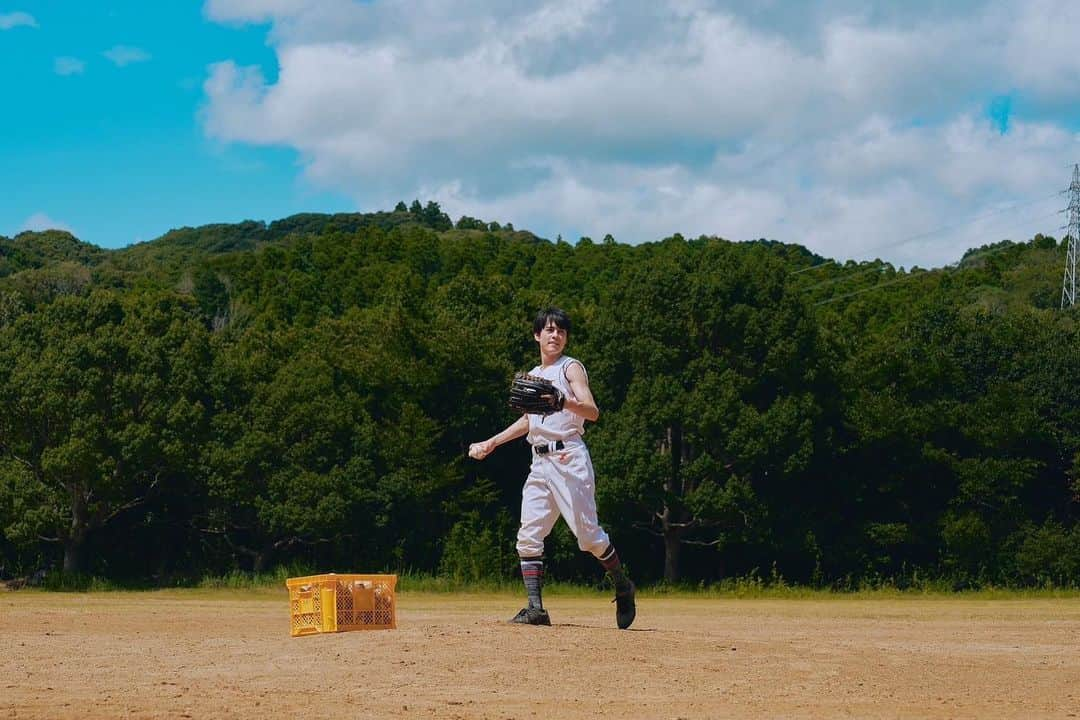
<point x="121" y="55"/>
<point x="69" y="66"/>
<point x="852" y="128"/>
<point x="17" y="19"/>
<point x="39" y="222"/>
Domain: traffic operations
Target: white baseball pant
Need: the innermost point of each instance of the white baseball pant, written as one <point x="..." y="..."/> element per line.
<point x="562" y="482"/>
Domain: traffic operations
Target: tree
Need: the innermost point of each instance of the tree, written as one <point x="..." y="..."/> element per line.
<point x="212" y="296"/>
<point x="320" y="440"/>
<point x="101" y="399"/>
<point x="719" y="364"/>
<point x="981" y="408"/>
<point x="470" y="223"/>
<point x="291" y="449"/>
<point x="435" y="218"/>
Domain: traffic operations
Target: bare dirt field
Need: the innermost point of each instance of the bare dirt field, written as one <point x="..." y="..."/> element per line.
<point x="202" y="654"/>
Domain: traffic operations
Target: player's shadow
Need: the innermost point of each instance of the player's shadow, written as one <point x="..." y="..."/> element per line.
<point x="599" y="627"/>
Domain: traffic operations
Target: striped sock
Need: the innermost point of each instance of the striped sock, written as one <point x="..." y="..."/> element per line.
<point x="610" y="560"/>
<point x="532" y="572"/>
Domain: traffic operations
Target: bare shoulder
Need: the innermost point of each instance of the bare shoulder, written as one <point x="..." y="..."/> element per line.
<point x="575" y="370"/>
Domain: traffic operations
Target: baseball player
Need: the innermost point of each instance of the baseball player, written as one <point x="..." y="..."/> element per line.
<point x="561" y="479"/>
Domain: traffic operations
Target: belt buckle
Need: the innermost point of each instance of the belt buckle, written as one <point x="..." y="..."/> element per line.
<point x="545" y="448"/>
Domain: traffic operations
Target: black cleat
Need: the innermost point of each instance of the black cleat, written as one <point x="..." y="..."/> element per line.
<point x="531" y="616"/>
<point x="625" y="609"/>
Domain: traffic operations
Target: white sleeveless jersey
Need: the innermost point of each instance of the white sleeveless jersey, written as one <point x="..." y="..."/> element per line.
<point x="563" y="425"/>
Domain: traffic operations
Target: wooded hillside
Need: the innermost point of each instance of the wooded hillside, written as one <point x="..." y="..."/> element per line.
<point x="240" y="396"/>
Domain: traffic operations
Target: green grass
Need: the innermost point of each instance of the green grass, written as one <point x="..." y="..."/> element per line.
<point x="752" y="586"/>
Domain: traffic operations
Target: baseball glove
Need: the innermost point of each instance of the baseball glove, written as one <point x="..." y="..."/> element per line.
<point x="535" y="395"/>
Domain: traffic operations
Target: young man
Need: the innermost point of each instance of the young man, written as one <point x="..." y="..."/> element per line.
<point x="561" y="479"/>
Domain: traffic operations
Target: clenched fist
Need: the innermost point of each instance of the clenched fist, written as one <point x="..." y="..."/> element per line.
<point x="480" y="450"/>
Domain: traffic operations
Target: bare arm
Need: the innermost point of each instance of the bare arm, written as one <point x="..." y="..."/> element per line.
<point x="480" y="450"/>
<point x="582" y="403"/>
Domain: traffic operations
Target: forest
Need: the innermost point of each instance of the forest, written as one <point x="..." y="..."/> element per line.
<point x="303" y="392"/>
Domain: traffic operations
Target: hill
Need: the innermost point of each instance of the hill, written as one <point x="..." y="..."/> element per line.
<point x="32" y="250"/>
<point x="236" y="396"/>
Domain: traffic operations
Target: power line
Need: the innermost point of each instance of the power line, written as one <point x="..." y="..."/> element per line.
<point x="824" y="283"/>
<point x="1024" y="222"/>
<point x="866" y="290"/>
<point x="921" y="274"/>
<point x="953" y="226"/>
<point x="944" y="228"/>
<point x="812" y="267"/>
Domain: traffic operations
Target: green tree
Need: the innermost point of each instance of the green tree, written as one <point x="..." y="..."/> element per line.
<point x="101" y="399"/>
<point x="320" y="440"/>
<point x="718" y="363"/>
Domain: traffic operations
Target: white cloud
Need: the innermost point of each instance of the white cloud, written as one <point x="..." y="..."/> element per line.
<point x="254" y="10"/>
<point x="39" y="221"/>
<point x="1041" y="49"/>
<point x="69" y="66"/>
<point x="852" y="128"/>
<point x="887" y="192"/>
<point x="17" y="19"/>
<point x="121" y="55"/>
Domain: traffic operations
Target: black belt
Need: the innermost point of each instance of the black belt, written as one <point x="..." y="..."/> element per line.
<point x="545" y="448"/>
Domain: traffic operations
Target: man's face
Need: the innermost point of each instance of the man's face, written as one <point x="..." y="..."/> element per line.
<point x="552" y="339"/>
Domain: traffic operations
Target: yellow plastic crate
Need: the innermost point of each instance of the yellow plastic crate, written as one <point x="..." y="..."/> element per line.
<point x="337" y="603"/>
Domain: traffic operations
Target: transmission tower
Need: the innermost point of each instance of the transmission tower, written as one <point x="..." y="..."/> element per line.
<point x="1068" y="289"/>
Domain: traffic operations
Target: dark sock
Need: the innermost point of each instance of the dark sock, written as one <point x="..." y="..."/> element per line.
<point x="610" y="560"/>
<point x="532" y="572"/>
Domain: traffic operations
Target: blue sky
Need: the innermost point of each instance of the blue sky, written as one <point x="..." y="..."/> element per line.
<point x="859" y="129"/>
<point x="100" y="132"/>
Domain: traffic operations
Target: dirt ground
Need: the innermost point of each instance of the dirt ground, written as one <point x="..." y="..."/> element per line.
<point x="199" y="654"/>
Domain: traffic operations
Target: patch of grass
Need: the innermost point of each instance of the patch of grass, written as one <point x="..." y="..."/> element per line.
<point x="58" y="581"/>
<point x="743" y="588"/>
<point x="420" y="582"/>
<point x="239" y="580"/>
<point x="751" y="586"/>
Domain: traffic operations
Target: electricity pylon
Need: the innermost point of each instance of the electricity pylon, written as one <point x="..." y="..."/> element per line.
<point x="1068" y="288"/>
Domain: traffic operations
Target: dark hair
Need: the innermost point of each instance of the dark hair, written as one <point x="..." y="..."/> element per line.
<point x="551" y="314"/>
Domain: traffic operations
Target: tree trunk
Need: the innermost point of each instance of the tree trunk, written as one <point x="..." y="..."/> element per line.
<point x="74" y="543"/>
<point x="260" y="560"/>
<point x="672" y="546"/>
<point x="672" y="535"/>
<point x="73" y="555"/>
